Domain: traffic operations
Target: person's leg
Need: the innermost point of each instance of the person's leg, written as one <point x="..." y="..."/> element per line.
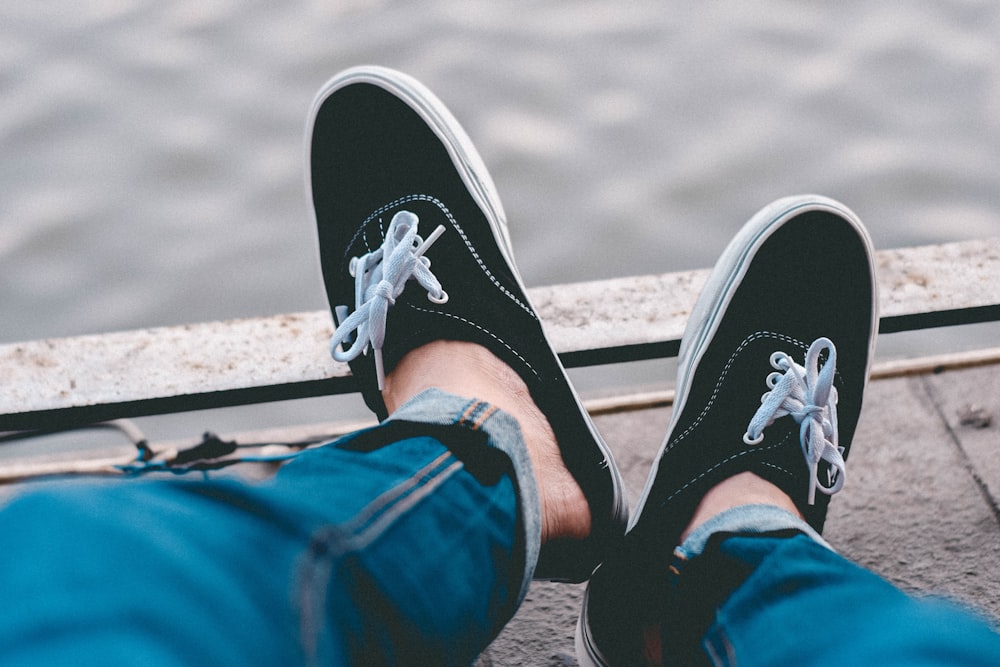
<point x="411" y="542"/>
<point x="790" y="311"/>
<point x="294" y="571"/>
<point x="757" y="586"/>
<point x="724" y="563"/>
<point x="386" y="159"/>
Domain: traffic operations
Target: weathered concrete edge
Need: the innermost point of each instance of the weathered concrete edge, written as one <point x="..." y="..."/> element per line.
<point x="171" y="369"/>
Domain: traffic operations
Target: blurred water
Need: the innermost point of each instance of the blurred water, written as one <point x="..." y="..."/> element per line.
<point x="151" y="158"/>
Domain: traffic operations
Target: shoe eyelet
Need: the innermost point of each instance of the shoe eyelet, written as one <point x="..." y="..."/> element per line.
<point x="753" y="441"/>
<point x="352" y="267"/>
<point x="438" y="300"/>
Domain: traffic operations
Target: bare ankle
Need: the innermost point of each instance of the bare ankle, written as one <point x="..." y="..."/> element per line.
<point x="745" y="488"/>
<point x="472" y="371"/>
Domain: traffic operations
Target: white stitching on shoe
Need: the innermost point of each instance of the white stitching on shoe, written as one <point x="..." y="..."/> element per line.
<point x="722" y="378"/>
<point x="724" y="462"/>
<point x="451" y="218"/>
<point x="767" y="464"/>
<point x="361" y="231"/>
<point x="711" y="401"/>
<point x="485" y="331"/>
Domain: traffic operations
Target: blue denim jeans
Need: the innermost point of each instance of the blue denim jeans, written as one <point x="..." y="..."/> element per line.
<point x="409" y="543"/>
<point x="797" y="602"/>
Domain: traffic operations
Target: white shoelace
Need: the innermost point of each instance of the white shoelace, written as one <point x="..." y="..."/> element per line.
<point x="379" y="278"/>
<point x="808" y="395"/>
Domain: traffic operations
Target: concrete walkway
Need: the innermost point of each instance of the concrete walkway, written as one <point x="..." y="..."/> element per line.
<point x="920" y="506"/>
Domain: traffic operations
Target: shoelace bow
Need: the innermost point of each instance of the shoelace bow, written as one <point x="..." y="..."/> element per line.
<point x="379" y="278"/>
<point x="808" y="395"/>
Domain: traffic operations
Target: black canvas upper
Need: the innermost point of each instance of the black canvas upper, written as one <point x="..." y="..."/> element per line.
<point x="372" y="156"/>
<point x="811" y="278"/>
<point x="786" y="281"/>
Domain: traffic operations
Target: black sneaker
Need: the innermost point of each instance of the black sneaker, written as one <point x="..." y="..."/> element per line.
<point x="385" y="157"/>
<point x="790" y="311"/>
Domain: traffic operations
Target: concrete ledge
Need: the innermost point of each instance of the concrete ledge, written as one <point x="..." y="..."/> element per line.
<point x="62" y="382"/>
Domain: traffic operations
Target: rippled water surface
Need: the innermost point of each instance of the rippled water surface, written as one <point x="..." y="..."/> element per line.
<point x="151" y="152"/>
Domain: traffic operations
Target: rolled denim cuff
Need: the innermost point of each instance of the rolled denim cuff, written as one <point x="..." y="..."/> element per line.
<point x="434" y="406"/>
<point x="746" y="520"/>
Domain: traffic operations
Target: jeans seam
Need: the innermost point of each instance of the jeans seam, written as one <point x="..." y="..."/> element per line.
<point x="476" y="414"/>
<point x="392" y="497"/>
<point x="331" y="542"/>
